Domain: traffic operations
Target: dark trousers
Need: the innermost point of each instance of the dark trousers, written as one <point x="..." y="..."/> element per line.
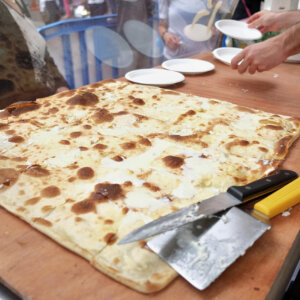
<point x="98" y="9"/>
<point x="51" y="13"/>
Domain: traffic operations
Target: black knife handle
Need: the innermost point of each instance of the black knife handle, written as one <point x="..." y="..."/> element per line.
<point x="262" y="186"/>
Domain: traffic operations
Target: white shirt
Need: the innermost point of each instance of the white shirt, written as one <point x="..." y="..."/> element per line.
<point x="180" y="13"/>
<point x="95" y="1"/>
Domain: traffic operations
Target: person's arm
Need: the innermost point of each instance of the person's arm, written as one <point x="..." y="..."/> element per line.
<point x="268" y="54"/>
<point x="266" y="21"/>
<point x="171" y="40"/>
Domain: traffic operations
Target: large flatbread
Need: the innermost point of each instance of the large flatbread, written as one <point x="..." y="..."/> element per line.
<point x="88" y="166"/>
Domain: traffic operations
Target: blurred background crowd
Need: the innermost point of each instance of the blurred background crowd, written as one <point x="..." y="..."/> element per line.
<point x="46" y="45"/>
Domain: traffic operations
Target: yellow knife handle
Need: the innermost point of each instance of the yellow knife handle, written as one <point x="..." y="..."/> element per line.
<point x="280" y="200"/>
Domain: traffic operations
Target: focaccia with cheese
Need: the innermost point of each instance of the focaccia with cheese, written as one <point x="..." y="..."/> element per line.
<point x="88" y="166"/>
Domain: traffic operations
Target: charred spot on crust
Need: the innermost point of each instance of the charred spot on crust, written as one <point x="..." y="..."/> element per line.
<point x="81" y="148"/>
<point x="75" y="134"/>
<point x="110" y="238"/>
<point x="66" y="94"/>
<point x="263" y="149"/>
<point x="50" y="191"/>
<point x="282" y="145"/>
<point x="145" y="142"/>
<point x="84" y="99"/>
<point x="138" y="101"/>
<point x="3" y="126"/>
<point x="85" y="173"/>
<point x="118" y="158"/>
<point x="102" y="116"/>
<point x="120" y="113"/>
<point x="242" y="143"/>
<point x="273" y="127"/>
<point x="125" y="210"/>
<point x="84" y="207"/>
<point x="128" y="145"/>
<point x="10" y="132"/>
<point x="8" y="176"/>
<point x="182" y="138"/>
<point x="151" y="187"/>
<point x="53" y="110"/>
<point x="64" y="142"/>
<point x="105" y="191"/>
<point x="21" y="108"/>
<point x="173" y="161"/>
<point x="16" y="139"/>
<point x="47" y="208"/>
<point x="37" y="171"/>
<point x="42" y="221"/>
<point x="71" y="179"/>
<point x="108" y="221"/>
<point x="99" y="146"/>
<point x="32" y="201"/>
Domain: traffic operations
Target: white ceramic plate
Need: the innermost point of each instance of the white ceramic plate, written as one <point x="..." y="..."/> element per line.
<point x="238" y="30"/>
<point x="225" y="54"/>
<point x="157" y="77"/>
<point x="197" y="32"/>
<point x="188" y="66"/>
<point x="294" y="59"/>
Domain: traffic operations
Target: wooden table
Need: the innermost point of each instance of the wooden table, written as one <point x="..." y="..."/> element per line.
<point x="38" y="268"/>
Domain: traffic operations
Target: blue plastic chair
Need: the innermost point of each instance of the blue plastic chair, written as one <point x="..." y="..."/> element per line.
<point x="64" y="29"/>
<point x="96" y="37"/>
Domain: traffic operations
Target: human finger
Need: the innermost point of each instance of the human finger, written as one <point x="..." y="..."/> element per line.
<point x="252" y="68"/>
<point x="237" y="59"/>
<point x="175" y="39"/>
<point x="254" y="17"/>
<point x="262" y="68"/>
<point x="255" y="24"/>
<point x="173" y="42"/>
<point x="242" y="67"/>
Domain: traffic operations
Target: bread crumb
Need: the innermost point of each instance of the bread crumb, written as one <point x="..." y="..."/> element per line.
<point x="286" y="213"/>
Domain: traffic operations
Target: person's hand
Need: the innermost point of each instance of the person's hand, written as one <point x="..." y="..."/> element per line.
<point x="171" y="40"/>
<point x="266" y="20"/>
<point x="259" y="57"/>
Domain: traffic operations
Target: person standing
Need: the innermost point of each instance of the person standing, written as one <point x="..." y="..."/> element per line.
<point x="174" y="15"/>
<point x="112" y="6"/>
<point x="50" y="11"/>
<point x="246" y="8"/>
<point x="138" y="10"/>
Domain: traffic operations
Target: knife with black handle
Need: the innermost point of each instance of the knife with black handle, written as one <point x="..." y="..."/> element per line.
<point x="235" y="195"/>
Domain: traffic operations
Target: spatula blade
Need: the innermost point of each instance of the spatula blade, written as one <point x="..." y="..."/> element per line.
<point x="200" y="256"/>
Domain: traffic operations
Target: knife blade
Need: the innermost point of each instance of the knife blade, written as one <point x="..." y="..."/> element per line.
<point x="235" y="195"/>
<point x="201" y="257"/>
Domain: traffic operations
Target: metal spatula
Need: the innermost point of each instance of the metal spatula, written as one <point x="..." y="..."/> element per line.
<point x="200" y="252"/>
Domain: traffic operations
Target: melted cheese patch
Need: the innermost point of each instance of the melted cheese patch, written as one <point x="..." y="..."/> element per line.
<point x="64" y="159"/>
<point x="142" y="199"/>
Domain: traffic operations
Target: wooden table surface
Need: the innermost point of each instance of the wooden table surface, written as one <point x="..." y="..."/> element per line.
<point x="38" y="268"/>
